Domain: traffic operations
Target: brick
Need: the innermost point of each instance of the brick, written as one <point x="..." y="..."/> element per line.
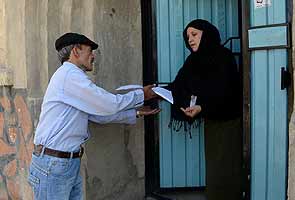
<point x="28" y="191"/>
<point x="10" y="169"/>
<point x="24" y="154"/>
<point x="30" y="147"/>
<point x="5" y="149"/>
<point x="3" y="194"/>
<point x="13" y="187"/>
<point x="1" y="124"/>
<point x="6" y="77"/>
<point x="11" y="119"/>
<point x="12" y="134"/>
<point x="5" y="102"/>
<point x="24" y="116"/>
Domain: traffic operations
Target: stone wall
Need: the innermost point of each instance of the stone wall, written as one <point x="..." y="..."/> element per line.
<point x="16" y="139"/>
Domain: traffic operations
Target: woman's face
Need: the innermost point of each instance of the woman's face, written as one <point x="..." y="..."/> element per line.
<point x="194" y="38"/>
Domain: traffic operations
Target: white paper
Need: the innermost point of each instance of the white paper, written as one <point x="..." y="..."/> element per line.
<point x="261" y="3"/>
<point x="165" y="94"/>
<point x="129" y="87"/>
<point x="193" y="100"/>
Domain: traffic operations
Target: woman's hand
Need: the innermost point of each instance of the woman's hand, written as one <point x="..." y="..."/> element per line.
<point x="192" y="111"/>
<point x="146" y="110"/>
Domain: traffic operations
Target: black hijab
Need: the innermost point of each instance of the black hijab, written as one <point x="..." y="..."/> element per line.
<point x="211" y="74"/>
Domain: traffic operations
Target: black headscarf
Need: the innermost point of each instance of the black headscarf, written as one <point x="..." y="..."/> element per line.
<point x="211" y="74"/>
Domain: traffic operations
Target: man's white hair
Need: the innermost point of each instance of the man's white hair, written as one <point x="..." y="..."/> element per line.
<point x="64" y="53"/>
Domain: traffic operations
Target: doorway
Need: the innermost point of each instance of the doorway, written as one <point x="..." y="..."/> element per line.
<point x="266" y="60"/>
<point x="174" y="161"/>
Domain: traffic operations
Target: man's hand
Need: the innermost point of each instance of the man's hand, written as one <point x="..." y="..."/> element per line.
<point x="146" y="110"/>
<point x="148" y="92"/>
<point x="192" y="111"/>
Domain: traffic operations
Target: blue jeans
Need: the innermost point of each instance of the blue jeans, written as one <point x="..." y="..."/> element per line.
<point x="55" y="178"/>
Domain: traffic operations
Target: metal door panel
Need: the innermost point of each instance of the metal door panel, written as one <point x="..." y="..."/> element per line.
<point x="166" y="170"/>
<point x="268" y="106"/>
<point x="274" y="14"/>
<point x="163" y="41"/>
<point x="269" y="126"/>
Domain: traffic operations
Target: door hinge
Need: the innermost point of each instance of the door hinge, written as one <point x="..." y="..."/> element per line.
<point x="285" y="78"/>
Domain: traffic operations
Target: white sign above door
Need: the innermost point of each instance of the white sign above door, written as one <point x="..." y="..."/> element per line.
<point x="262" y="3"/>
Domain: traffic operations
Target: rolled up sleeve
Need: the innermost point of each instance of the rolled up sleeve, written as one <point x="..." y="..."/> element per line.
<point x="80" y="92"/>
<point x="125" y="117"/>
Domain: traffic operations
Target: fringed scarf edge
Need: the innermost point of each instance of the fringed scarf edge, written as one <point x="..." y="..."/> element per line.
<point x="177" y="125"/>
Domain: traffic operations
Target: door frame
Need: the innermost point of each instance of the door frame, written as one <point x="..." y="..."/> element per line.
<point x="290" y="91"/>
<point x="149" y="56"/>
<point x="245" y="24"/>
<point x="150" y="74"/>
<point x="149" y="50"/>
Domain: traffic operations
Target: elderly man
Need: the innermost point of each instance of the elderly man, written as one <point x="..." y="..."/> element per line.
<point x="72" y="99"/>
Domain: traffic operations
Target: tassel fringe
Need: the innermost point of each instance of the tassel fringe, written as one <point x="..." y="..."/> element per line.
<point x="176" y="125"/>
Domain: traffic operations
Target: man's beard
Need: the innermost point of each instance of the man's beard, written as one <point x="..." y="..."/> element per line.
<point x="86" y="69"/>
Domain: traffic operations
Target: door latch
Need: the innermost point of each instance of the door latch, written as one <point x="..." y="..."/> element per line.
<point x="285" y="78"/>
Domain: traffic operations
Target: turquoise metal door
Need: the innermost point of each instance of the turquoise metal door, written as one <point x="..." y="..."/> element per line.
<point x="268" y="40"/>
<point x="182" y="160"/>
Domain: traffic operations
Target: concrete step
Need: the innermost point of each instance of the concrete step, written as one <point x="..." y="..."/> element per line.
<point x="180" y="196"/>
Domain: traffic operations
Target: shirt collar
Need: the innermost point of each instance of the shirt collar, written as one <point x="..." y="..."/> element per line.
<point x="69" y="64"/>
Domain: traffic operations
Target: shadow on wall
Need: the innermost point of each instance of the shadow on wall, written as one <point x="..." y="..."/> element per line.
<point x="16" y="145"/>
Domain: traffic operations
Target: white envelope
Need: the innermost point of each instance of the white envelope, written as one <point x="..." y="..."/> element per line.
<point x="165" y="94"/>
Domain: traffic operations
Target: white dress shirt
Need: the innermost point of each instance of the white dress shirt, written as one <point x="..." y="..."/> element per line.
<point x="72" y="99"/>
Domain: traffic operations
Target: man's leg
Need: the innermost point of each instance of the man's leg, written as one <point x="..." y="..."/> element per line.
<point x="77" y="190"/>
<point x="37" y="177"/>
<point x="53" y="178"/>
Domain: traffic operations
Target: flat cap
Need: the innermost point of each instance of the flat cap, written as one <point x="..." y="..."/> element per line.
<point x="73" y="38"/>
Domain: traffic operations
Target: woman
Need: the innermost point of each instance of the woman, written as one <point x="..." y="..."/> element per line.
<point x="210" y="73"/>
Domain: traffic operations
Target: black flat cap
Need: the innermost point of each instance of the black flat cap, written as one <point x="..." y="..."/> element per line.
<point x="73" y="38"/>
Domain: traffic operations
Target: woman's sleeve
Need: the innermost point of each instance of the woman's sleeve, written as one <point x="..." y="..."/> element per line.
<point x="222" y="96"/>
